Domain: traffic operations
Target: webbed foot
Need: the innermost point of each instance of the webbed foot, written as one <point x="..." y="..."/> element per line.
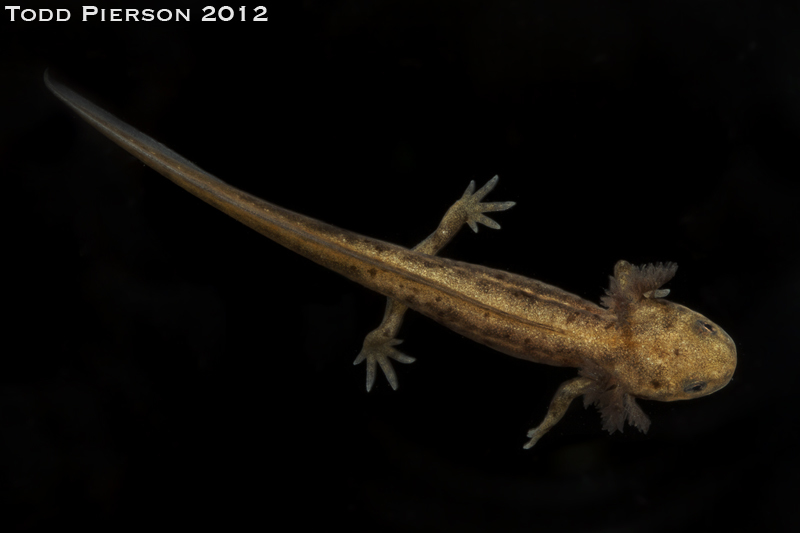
<point x="379" y="349"/>
<point x="473" y="210"/>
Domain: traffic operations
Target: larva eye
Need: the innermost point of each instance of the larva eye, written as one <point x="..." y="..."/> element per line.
<point x="705" y="327"/>
<point x="694" y="386"/>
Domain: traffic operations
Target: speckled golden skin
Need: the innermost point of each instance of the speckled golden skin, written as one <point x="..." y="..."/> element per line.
<point x="641" y="346"/>
<point x="670" y="348"/>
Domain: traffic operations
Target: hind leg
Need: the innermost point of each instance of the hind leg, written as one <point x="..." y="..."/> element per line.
<point x="378" y="349"/>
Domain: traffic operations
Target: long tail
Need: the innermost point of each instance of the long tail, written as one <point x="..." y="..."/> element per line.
<point x="340" y="250"/>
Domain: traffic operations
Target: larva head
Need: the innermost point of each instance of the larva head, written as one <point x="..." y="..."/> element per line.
<point x="678" y="353"/>
<point x="673" y="353"/>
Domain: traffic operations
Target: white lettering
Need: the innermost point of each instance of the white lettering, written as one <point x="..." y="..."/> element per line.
<point x="89" y="11"/>
<point x="106" y="15"/>
<point x="228" y="13"/>
<point x="12" y="8"/>
<point x="31" y="15"/>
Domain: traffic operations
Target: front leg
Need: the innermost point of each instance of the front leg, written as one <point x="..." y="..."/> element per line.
<point x="568" y="391"/>
<point x="379" y="343"/>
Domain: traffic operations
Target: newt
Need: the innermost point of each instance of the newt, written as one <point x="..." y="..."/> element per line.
<point x="637" y="344"/>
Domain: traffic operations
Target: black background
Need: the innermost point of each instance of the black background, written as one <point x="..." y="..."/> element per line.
<point x="164" y="364"/>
